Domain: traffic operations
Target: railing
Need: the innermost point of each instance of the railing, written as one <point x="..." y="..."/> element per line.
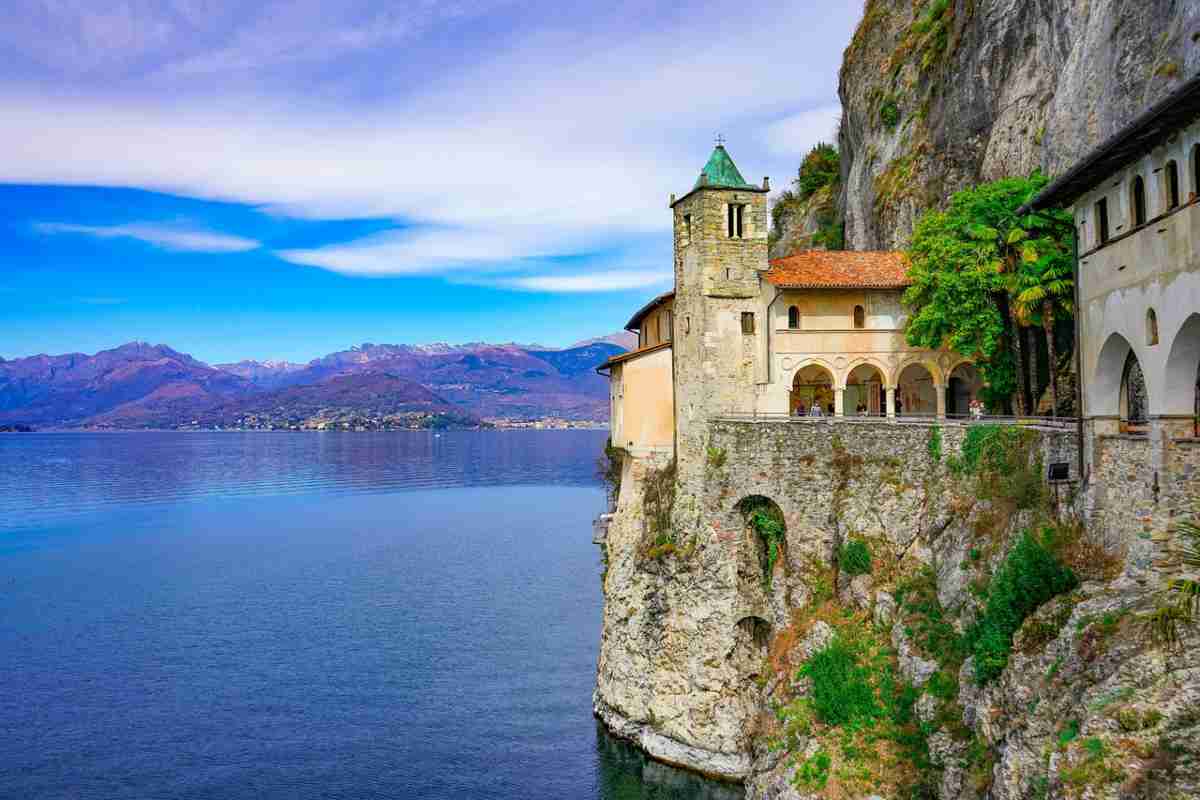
<point x="927" y="418"/>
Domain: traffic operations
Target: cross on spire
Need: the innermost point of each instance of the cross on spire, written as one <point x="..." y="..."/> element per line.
<point x="720" y="140"/>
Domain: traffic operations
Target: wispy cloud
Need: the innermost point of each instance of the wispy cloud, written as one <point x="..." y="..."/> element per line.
<point x="795" y="135"/>
<point x="168" y="237"/>
<point x="618" y="280"/>
<point x="545" y="141"/>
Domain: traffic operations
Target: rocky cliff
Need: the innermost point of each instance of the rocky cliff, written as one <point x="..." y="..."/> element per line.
<point x="871" y="610"/>
<point x="940" y="94"/>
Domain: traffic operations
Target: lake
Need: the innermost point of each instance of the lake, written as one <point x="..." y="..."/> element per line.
<point x="306" y="615"/>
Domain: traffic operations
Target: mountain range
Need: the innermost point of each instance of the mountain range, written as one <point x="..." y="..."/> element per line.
<point x="139" y="385"/>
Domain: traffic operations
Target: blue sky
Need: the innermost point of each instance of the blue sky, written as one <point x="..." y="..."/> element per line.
<point x="288" y="180"/>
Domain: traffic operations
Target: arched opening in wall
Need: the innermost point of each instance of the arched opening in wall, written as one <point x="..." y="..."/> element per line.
<point x="793" y="317"/>
<point x="1171" y="181"/>
<point x="757" y="630"/>
<point x="860" y="317"/>
<point x="765" y="539"/>
<point x="866" y="394"/>
<point x="1182" y="386"/>
<point x="916" y="394"/>
<point x="1138" y="201"/>
<point x="1151" y="328"/>
<point x="811" y="386"/>
<point x="1134" y="399"/>
<point x="962" y="388"/>
<point x="1195" y="171"/>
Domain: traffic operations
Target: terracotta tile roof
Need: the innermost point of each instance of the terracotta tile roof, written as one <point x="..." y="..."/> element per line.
<point x="841" y="269"/>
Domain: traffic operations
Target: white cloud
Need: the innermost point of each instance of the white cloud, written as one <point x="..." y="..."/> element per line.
<point x="795" y="135"/>
<point x="588" y="282"/>
<point x="557" y="143"/>
<point x="168" y="237"/>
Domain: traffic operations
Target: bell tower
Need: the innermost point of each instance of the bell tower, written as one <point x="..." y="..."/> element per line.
<point x="721" y="228"/>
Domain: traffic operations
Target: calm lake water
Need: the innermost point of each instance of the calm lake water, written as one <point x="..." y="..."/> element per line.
<point x="306" y="615"/>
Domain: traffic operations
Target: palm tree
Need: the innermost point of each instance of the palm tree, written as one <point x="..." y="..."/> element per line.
<point x="1180" y="602"/>
<point x="1043" y="288"/>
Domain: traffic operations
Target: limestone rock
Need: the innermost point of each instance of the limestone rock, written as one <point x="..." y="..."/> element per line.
<point x="885" y="609"/>
<point x="1049" y="81"/>
<point x="859" y="591"/>
<point x="818" y="638"/>
<point x="926" y="708"/>
<point x="915" y="669"/>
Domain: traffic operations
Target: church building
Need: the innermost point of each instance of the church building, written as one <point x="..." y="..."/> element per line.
<point x="818" y="333"/>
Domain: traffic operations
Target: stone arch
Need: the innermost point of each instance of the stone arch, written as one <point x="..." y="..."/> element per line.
<point x="754" y="555"/>
<point x="757" y="629"/>
<point x="866" y="382"/>
<point x="1134" y="399"/>
<point x="917" y="383"/>
<point x="1104" y="391"/>
<point x="805" y="382"/>
<point x="963" y="385"/>
<point x="1181" y="389"/>
<point x="925" y="360"/>
<point x="1137" y="201"/>
<point x="1194" y="158"/>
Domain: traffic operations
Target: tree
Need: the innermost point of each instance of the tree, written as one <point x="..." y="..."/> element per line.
<point x="820" y="168"/>
<point x="980" y="274"/>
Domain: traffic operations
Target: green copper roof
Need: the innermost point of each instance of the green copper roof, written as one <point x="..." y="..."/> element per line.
<point x="721" y="172"/>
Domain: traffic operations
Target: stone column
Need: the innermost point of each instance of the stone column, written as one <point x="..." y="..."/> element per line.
<point x="839" y="402"/>
<point x="891" y="402"/>
<point x="940" y="393"/>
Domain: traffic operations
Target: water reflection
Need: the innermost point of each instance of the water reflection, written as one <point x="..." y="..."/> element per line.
<point x="48" y="477"/>
<point x="626" y="773"/>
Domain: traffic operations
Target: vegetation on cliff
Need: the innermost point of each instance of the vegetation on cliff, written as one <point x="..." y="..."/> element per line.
<point x="806" y="215"/>
<point x="987" y="280"/>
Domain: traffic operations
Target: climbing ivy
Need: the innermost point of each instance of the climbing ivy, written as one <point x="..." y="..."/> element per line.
<point x="935" y="443"/>
<point x="770" y="528"/>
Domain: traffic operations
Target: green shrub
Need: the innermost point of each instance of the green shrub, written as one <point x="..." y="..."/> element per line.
<point x="935" y="444"/>
<point x="889" y="114"/>
<point x="716" y="457"/>
<point x="1029" y="576"/>
<point x="820" y="168"/>
<point x="841" y="687"/>
<point x="831" y="236"/>
<point x="855" y="558"/>
<point x="1005" y="460"/>
<point x="1069" y="733"/>
<point x="814" y="773"/>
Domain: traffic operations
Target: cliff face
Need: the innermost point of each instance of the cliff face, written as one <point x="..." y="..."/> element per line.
<point x="940" y="95"/>
<point x="719" y="656"/>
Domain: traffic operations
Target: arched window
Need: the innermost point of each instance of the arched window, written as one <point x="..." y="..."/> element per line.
<point x="793" y="317"/>
<point x="1151" y="328"/>
<point x="860" y="317"/>
<point x="1102" y="221"/>
<point x="1139" y="201"/>
<point x="1171" y="176"/>
<point x="1196" y="170"/>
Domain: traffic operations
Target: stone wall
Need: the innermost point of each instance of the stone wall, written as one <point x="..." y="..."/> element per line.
<point x="686" y="629"/>
<point x="1139" y="486"/>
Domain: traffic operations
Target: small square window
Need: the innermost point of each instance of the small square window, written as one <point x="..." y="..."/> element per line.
<point x="747" y="322"/>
